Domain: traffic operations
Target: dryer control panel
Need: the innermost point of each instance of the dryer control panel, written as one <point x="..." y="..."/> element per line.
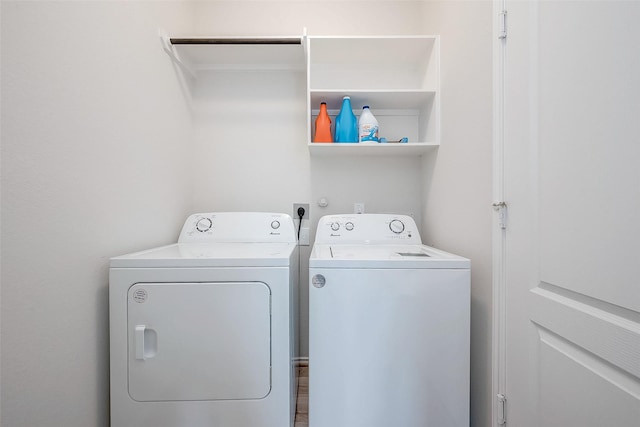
<point x="238" y="227"/>
<point x="368" y="228"/>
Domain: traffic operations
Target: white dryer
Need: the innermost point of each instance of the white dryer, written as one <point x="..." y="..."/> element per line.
<point x="203" y="332"/>
<point x="388" y="326"/>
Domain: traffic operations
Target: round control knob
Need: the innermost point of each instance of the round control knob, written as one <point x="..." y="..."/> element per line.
<point x="349" y="226"/>
<point x="335" y="226"/>
<point x="203" y="224"/>
<point x="275" y="225"/>
<point x="396" y="226"/>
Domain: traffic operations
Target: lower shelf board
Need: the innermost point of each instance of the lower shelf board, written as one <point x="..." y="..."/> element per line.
<point x="367" y="149"/>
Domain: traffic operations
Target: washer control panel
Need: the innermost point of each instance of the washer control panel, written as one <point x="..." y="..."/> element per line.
<point x="367" y="228"/>
<point x="241" y="227"/>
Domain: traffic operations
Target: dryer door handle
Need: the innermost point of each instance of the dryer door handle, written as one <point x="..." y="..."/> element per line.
<point x="139" y="341"/>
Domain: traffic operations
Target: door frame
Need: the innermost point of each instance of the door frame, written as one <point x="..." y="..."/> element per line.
<point x="498" y="387"/>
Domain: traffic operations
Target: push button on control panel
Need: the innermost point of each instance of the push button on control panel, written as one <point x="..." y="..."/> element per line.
<point x="275" y="225"/>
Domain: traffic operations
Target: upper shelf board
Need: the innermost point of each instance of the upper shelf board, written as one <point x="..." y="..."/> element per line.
<point x="220" y="53"/>
<point x="381" y="99"/>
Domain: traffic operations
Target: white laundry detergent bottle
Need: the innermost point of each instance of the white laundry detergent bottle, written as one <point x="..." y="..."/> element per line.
<point x="367" y="126"/>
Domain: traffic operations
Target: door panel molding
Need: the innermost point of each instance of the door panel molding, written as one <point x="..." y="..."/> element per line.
<point x="578" y="388"/>
<point x="602" y="333"/>
<point x="591" y="362"/>
<point x="632" y="316"/>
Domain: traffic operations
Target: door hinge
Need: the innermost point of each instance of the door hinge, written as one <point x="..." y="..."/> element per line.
<point x="502" y="414"/>
<point x="503" y="25"/>
<point x="501" y="208"/>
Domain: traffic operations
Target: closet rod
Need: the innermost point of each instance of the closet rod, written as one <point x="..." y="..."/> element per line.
<point x="236" y="41"/>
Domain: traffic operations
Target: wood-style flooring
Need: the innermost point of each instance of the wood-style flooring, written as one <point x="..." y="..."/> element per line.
<point x="302" y="405"/>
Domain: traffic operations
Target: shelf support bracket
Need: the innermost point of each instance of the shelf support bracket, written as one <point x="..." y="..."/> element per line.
<point x="305" y="42"/>
<point x="171" y="51"/>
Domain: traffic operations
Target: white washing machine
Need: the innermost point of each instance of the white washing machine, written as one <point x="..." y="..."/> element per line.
<point x="388" y="326"/>
<point x="203" y="332"/>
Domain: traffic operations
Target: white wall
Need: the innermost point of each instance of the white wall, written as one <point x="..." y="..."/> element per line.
<point x="457" y="191"/>
<point x="95" y="140"/>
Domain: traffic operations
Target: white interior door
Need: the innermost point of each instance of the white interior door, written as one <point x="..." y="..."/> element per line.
<point x="572" y="186"/>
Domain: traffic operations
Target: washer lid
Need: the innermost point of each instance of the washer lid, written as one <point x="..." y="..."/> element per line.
<point x="210" y="255"/>
<point x="384" y="256"/>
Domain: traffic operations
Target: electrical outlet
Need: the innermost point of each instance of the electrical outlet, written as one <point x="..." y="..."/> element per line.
<point x="295" y="211"/>
<point x="358" y="208"/>
<point x="302" y="225"/>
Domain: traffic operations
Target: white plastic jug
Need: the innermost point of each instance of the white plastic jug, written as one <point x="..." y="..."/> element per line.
<point x="367" y="126"/>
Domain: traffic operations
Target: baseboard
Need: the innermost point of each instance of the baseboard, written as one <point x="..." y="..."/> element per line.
<point x="301" y="362"/>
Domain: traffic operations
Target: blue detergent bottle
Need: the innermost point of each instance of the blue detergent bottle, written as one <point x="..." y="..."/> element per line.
<point x="346" y="123"/>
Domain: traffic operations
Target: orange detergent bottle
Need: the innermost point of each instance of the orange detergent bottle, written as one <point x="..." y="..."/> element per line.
<point x="323" y="125"/>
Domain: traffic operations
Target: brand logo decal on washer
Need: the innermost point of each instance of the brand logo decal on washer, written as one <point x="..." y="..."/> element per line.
<point x="140" y="295"/>
<point x="318" y="281"/>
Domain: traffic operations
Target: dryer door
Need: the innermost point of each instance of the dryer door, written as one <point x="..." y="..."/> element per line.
<point x="199" y="341"/>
